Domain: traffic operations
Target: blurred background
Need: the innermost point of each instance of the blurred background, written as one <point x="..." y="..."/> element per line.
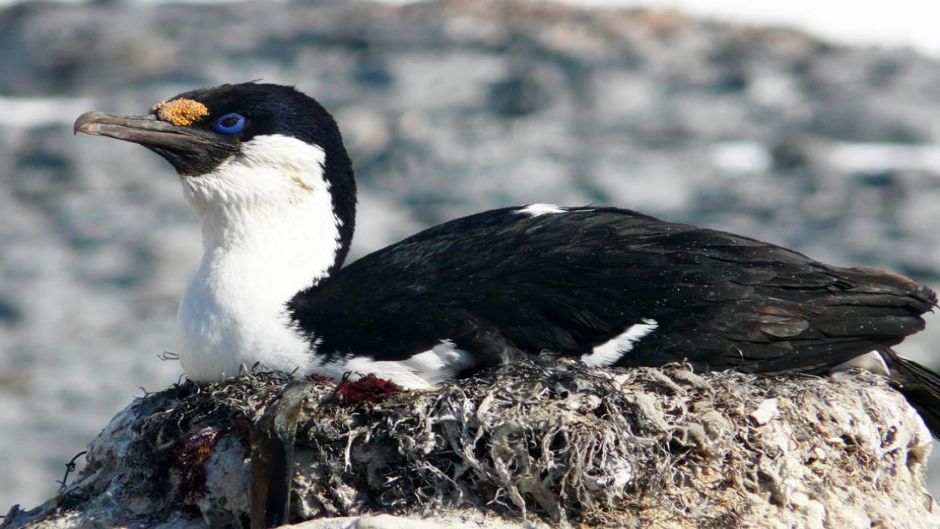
<point x="827" y="142"/>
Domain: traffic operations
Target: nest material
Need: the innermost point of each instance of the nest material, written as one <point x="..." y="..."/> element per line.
<point x="562" y="443"/>
<point x="571" y="444"/>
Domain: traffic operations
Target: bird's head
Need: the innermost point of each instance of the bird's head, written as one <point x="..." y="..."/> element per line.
<point x="244" y="147"/>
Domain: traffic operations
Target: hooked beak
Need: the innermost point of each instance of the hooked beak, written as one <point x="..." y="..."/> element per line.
<point x="191" y="150"/>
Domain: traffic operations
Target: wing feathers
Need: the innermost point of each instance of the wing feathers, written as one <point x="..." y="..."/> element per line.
<point x="499" y="283"/>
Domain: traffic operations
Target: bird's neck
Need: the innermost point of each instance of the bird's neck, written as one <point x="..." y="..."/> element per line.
<point x="260" y="250"/>
<point x="273" y="213"/>
<point x="288" y="247"/>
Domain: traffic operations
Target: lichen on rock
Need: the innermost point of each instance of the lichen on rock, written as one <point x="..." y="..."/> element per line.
<point x="557" y="444"/>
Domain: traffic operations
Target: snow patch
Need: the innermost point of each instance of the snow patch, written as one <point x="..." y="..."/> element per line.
<point x="741" y="157"/>
<point x="862" y="157"/>
<point x="27" y="112"/>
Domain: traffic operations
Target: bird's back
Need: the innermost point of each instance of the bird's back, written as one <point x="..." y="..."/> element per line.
<point x="509" y="281"/>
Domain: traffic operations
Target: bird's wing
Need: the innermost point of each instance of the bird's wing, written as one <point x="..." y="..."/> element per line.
<point x="508" y="281"/>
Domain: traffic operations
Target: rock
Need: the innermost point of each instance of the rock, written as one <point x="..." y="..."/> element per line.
<point x="766" y="411"/>
<point x="506" y="450"/>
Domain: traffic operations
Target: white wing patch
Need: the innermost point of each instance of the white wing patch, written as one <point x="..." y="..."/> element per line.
<point x="421" y="371"/>
<point x="872" y="362"/>
<point x="534" y="210"/>
<point x="612" y="350"/>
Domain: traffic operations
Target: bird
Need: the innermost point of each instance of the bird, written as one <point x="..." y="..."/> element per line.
<point x="265" y="169"/>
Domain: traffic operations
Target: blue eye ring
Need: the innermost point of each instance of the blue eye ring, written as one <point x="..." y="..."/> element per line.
<point x="229" y="124"/>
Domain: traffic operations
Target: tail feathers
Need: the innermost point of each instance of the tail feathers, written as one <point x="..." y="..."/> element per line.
<point x="882" y="286"/>
<point x="919" y="385"/>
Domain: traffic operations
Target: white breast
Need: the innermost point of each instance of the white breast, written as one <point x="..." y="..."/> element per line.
<point x="268" y="232"/>
<point x="233" y="315"/>
<point x="424" y="370"/>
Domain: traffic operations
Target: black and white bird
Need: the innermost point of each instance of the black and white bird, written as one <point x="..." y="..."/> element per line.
<point x="265" y="169"/>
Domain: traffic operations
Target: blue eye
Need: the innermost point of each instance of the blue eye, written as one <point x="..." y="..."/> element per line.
<point x="231" y="123"/>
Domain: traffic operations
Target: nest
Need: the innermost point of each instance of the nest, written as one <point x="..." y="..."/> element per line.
<point x="563" y="443"/>
<point x="559" y="443"/>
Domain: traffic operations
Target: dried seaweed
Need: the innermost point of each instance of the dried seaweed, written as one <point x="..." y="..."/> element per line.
<point x="561" y="442"/>
<point x="557" y="442"/>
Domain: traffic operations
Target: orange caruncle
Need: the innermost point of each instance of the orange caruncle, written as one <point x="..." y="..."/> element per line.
<point x="180" y="112"/>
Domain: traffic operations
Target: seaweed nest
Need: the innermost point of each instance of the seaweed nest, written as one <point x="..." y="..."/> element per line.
<point x="562" y="444"/>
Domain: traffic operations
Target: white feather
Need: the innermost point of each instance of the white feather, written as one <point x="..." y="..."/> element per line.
<point x="612" y="350"/>
<point x="871" y="361"/>
<point x="535" y="210"/>
<point x="421" y="371"/>
<point x="268" y="231"/>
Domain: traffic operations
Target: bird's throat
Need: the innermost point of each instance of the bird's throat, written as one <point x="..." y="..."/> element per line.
<point x="259" y="251"/>
<point x="233" y="313"/>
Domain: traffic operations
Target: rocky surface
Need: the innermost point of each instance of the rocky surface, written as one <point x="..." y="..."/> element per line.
<point x="558" y="445"/>
<point x="448" y="108"/>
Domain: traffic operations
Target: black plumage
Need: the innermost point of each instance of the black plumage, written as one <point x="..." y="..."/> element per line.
<point x="504" y="282"/>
